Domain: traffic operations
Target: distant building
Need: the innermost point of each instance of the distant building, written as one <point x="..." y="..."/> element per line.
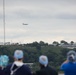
<point x="7" y="43"/>
<point x="69" y="46"/>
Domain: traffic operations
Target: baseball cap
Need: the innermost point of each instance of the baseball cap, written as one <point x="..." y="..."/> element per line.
<point x="18" y="54"/>
<point x="43" y="60"/>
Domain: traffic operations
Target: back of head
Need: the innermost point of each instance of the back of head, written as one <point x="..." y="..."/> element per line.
<point x="18" y="54"/>
<point x="4" y="59"/>
<point x="71" y="56"/>
<point x="43" y="60"/>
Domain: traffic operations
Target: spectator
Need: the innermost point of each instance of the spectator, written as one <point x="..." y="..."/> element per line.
<point x="69" y="66"/>
<point x="17" y="67"/>
<point x="4" y="59"/>
<point x="44" y="68"/>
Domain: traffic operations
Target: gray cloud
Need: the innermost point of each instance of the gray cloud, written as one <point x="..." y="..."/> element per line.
<point x="66" y="16"/>
<point x="48" y="20"/>
<point x="39" y="9"/>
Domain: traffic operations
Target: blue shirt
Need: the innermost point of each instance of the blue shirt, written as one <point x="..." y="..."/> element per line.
<point x="69" y="68"/>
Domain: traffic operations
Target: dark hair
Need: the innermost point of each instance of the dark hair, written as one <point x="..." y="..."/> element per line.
<point x="20" y="59"/>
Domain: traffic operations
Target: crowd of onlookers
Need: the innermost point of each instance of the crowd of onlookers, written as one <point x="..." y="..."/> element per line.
<point x="19" y="68"/>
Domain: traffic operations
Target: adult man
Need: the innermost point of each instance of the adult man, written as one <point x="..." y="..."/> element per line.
<point x="44" y="68"/>
<point x="17" y="68"/>
<point x="69" y="66"/>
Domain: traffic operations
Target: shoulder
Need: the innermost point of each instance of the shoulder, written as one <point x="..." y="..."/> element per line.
<point x="7" y="69"/>
<point x="51" y="68"/>
<point x="26" y="68"/>
<point x="47" y="70"/>
<point x="8" y="66"/>
<point x="65" y="65"/>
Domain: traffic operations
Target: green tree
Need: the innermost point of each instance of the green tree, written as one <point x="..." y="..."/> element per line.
<point x="72" y="42"/>
<point x="55" y="43"/>
<point x="64" y="42"/>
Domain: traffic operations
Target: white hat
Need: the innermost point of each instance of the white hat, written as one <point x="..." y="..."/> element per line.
<point x="43" y="60"/>
<point x="18" y="54"/>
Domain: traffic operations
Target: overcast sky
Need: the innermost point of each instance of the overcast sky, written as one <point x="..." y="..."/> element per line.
<point x="48" y="20"/>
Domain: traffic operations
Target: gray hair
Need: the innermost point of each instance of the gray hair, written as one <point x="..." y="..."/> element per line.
<point x="71" y="56"/>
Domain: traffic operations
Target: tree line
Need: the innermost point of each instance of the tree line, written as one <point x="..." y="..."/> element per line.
<point x="32" y="51"/>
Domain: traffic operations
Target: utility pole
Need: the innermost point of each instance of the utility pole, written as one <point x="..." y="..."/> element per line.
<point x="4" y="19"/>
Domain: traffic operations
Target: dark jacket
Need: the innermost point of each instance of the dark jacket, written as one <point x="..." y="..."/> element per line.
<point x="47" y="71"/>
<point x="1" y="71"/>
<point x="23" y="70"/>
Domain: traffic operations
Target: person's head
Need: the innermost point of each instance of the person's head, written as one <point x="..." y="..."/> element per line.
<point x="43" y="60"/>
<point x="71" y="56"/>
<point x="4" y="59"/>
<point x="18" y="55"/>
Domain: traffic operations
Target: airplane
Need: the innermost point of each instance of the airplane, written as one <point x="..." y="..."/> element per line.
<point x="24" y="24"/>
